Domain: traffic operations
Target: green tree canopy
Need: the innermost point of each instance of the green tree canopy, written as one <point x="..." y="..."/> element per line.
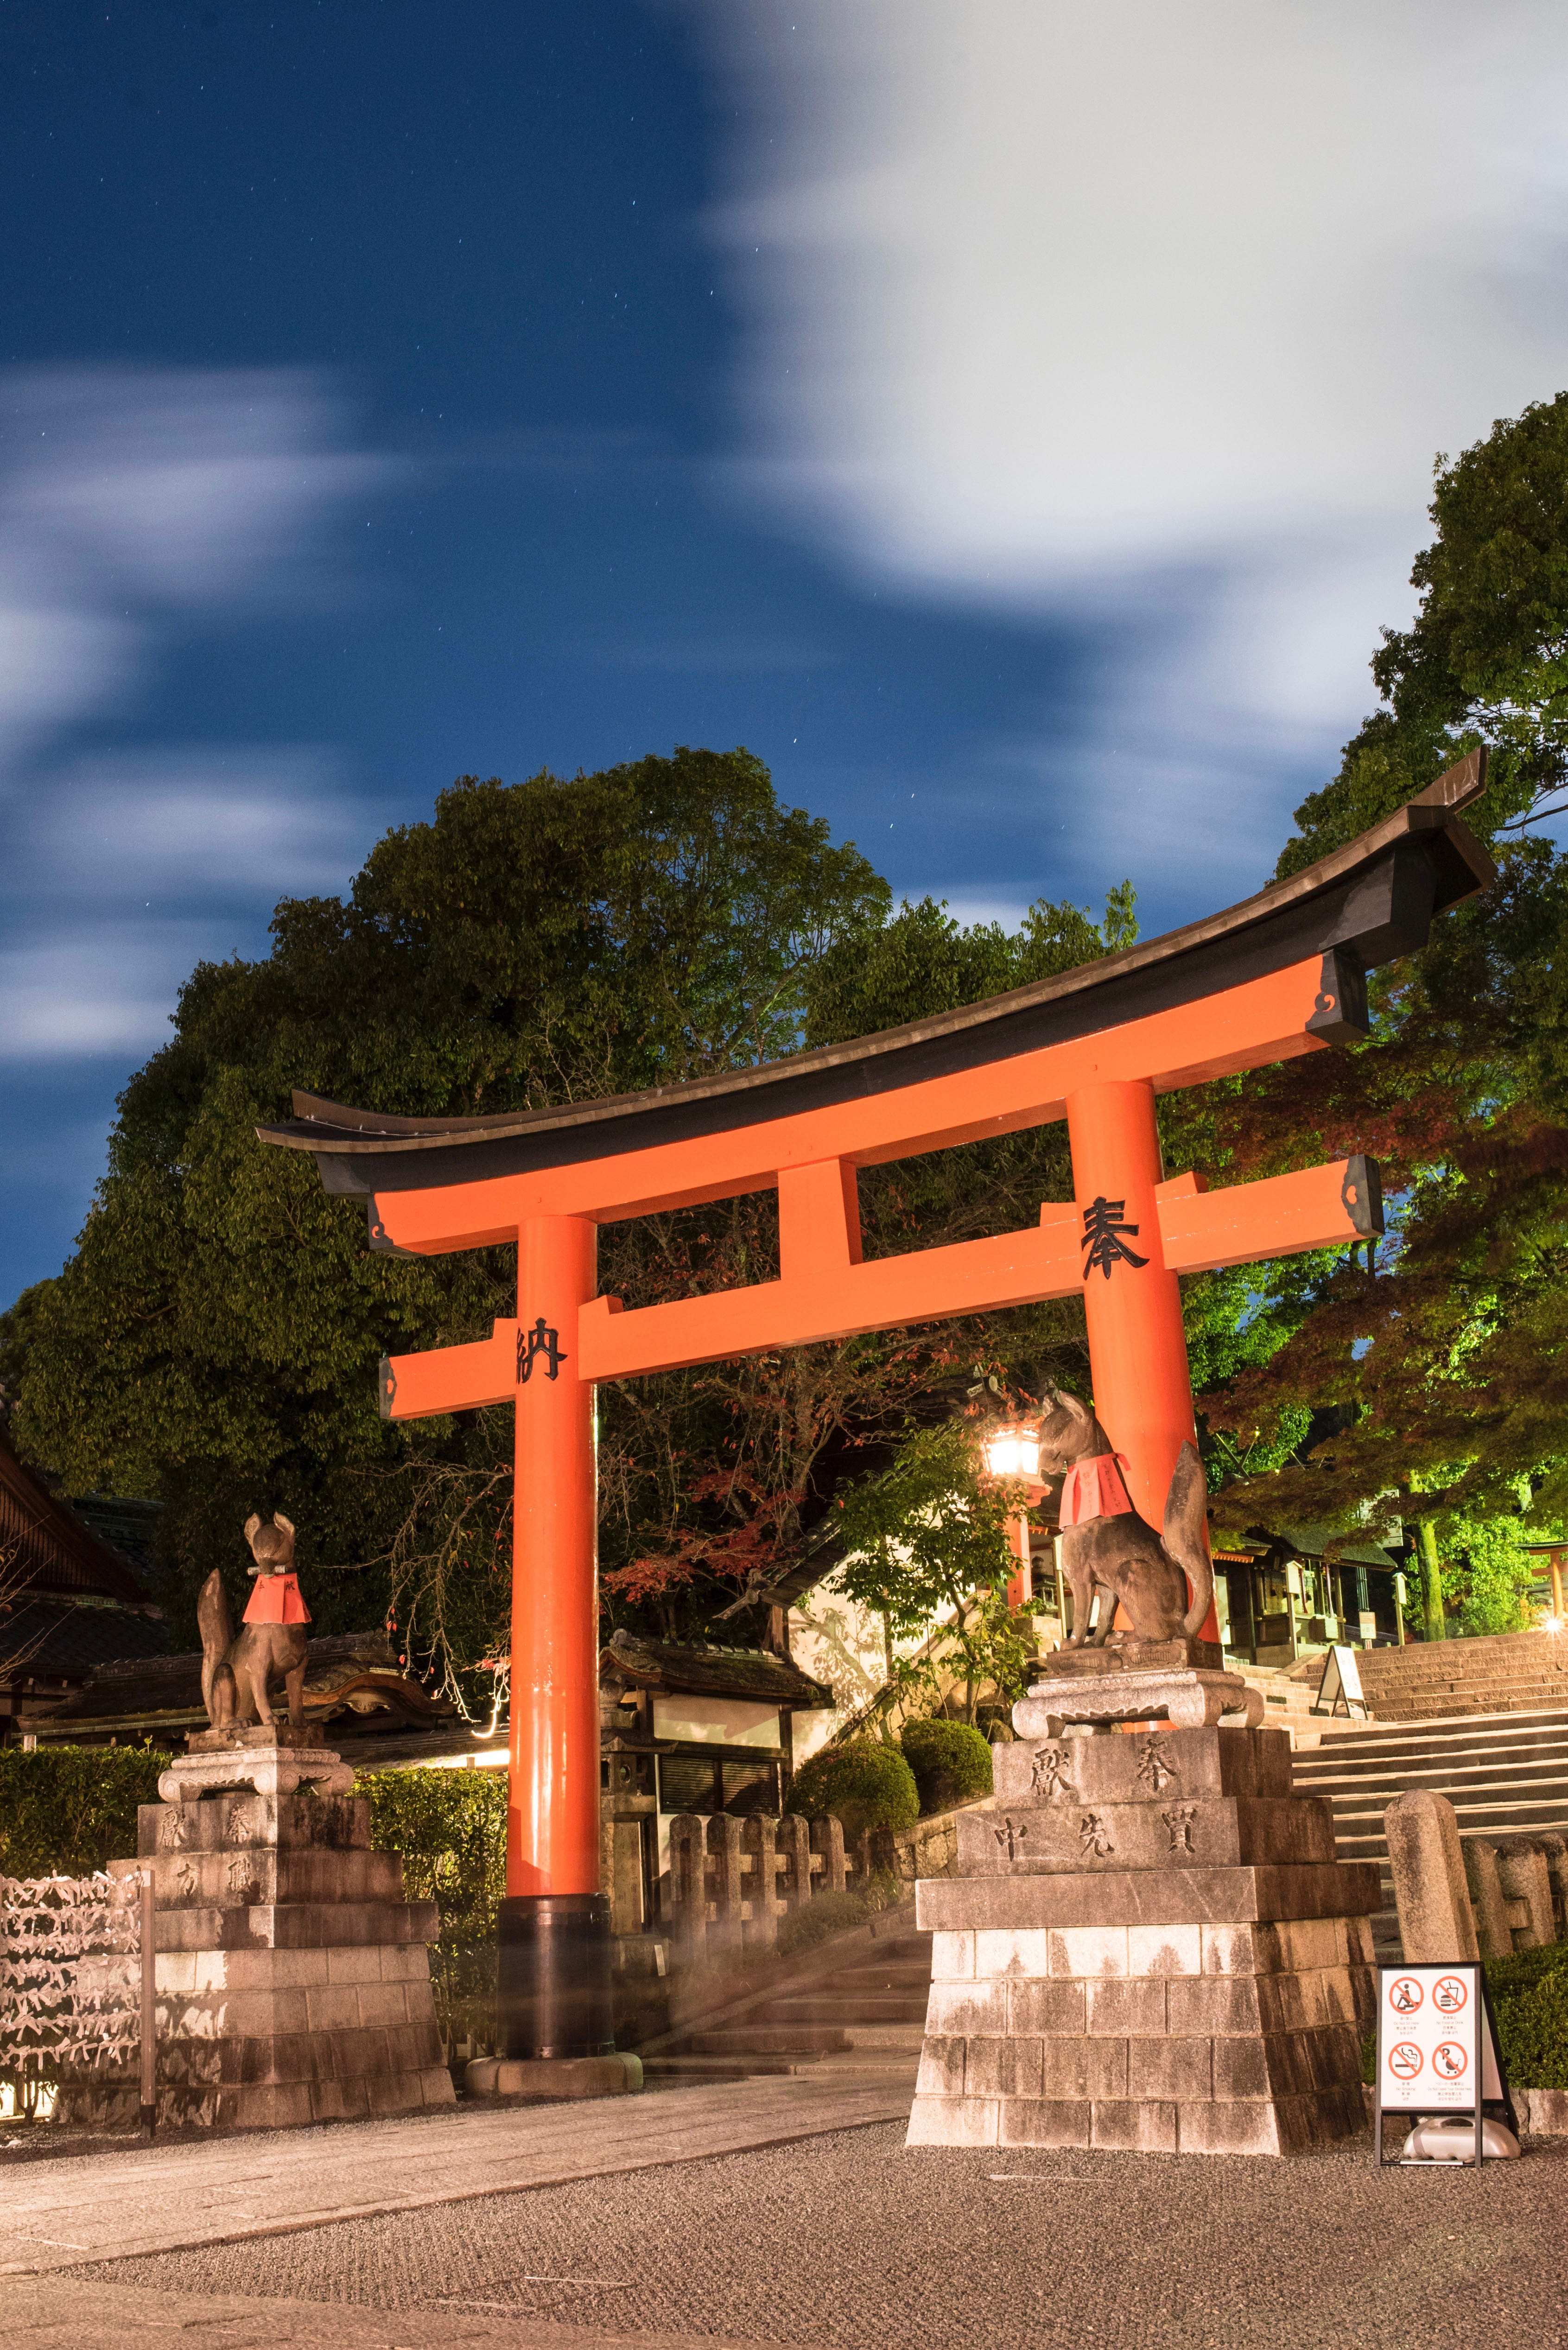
<point x="1438" y="1363"/>
<point x="214" y="1338"/>
<point x="1486" y="659"/>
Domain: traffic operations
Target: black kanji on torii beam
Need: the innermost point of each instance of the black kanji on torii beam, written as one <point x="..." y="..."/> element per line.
<point x="1102" y="1236"/>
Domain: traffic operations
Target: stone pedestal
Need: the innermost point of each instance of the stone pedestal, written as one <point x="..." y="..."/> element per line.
<point x="1150" y="1943"/>
<point x="293" y="1977"/>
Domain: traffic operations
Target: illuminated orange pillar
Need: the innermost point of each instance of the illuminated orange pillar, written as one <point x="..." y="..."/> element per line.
<point x="1138" y="1346"/>
<point x="553" y="1817"/>
<point x="1020" y="1587"/>
<point x="554" y="1928"/>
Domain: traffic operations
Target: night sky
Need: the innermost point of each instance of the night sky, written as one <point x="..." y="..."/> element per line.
<point x="393" y="392"/>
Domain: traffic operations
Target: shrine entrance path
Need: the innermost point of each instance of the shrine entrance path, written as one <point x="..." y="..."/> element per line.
<point x="56" y="2214"/>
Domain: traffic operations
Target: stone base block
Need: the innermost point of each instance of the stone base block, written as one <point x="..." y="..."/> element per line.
<point x="293" y="1978"/>
<point x="1234" y="2038"/>
<point x="1149" y="1900"/>
<point x="271" y="1769"/>
<point x="1141" y="2125"/>
<point x="554" y="2078"/>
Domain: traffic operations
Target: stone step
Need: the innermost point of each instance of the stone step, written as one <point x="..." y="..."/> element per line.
<point x="766" y="2039"/>
<point x="851" y="2067"/>
<point x="902" y="1975"/>
<point x="1458" y="1705"/>
<point x="1550" y="1796"/>
<point x="1509" y="1723"/>
<point x="886" y="2007"/>
<point x="1421" y="1763"/>
<point x="1438" y="1772"/>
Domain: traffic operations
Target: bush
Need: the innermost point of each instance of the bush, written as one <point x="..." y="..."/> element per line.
<point x="1529" y="1997"/>
<point x="950" y="1761"/>
<point x="66" y="1811"/>
<point x="450" y="1829"/>
<point x="834" y="1913"/>
<point x="863" y="1784"/>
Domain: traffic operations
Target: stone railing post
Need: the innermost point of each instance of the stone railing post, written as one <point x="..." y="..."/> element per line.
<point x="760" y="1835"/>
<point x="1556" y="1848"/>
<point x="1521" y="1865"/>
<point x="1436" y="1921"/>
<point x="689" y="1887"/>
<point x="828" y="1840"/>
<point x="795" y="1855"/>
<point x="725" y="1845"/>
<point x="1489" y="1903"/>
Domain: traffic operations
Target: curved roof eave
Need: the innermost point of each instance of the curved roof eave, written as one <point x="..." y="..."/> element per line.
<point x="1374" y="898"/>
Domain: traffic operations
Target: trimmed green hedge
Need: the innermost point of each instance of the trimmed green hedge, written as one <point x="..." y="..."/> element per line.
<point x="1529" y="1996"/>
<point x="863" y="1784"/>
<point x="950" y="1761"/>
<point x="450" y="1828"/>
<point x="67" y="1811"/>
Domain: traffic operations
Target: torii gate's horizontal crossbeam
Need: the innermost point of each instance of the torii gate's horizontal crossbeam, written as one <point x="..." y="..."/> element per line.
<point x="826" y="1292"/>
<point x="1268" y="1019"/>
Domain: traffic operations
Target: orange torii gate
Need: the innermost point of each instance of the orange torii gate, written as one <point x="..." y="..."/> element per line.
<point x="1282" y="974"/>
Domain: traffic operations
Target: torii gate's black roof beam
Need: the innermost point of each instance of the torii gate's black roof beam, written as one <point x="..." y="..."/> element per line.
<point x="1368" y="902"/>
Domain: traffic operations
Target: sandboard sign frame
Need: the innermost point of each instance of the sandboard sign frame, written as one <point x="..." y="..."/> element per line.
<point x="1437" y="2053"/>
<point x="1341" y="1685"/>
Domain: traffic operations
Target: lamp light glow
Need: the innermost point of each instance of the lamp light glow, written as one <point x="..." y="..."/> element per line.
<point x="1013" y="1453"/>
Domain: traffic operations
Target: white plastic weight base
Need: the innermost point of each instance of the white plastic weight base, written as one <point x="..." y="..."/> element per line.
<point x="1454" y="2140"/>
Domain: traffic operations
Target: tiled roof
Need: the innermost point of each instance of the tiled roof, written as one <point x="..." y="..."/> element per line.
<point x="48" y="1547"/>
<point x="708" y="1671"/>
<point x="353" y="1670"/>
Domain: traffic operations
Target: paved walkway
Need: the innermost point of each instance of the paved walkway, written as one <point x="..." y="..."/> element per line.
<point x="65" y="2314"/>
<point x="851" y="2241"/>
<point x="57" y="2213"/>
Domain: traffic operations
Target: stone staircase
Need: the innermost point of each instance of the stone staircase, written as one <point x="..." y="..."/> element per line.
<point x="860" y="2010"/>
<point x="1506" y="1773"/>
<point x="1506" y="1672"/>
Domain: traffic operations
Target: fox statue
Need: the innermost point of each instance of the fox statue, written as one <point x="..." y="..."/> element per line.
<point x="1107" y="1547"/>
<point x="238" y="1671"/>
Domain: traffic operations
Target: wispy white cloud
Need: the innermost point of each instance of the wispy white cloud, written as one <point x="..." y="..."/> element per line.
<point x="229" y="823"/>
<point x="141" y="510"/>
<point x="1152" y="315"/>
<point x="137" y="504"/>
<point x="105" y="993"/>
<point x="133" y="868"/>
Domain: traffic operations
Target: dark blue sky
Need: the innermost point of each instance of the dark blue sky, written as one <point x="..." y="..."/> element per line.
<point x="389" y="393"/>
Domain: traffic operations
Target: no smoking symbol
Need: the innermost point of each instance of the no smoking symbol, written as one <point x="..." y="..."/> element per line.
<point x="1450" y="1994"/>
<point x="1405" y="1996"/>
<point x="1450" y="2061"/>
<point x="1404" y="2060"/>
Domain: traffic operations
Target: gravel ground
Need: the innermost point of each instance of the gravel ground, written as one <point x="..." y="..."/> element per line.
<point x="852" y="2240"/>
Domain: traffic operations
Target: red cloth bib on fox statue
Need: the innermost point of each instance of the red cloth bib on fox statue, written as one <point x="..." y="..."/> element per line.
<point x="278" y="1599"/>
<point x="1094" y="1489"/>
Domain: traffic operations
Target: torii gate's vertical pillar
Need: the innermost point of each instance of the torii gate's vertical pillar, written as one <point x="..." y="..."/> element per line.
<point x="555" y="1923"/>
<point x="1138" y="1346"/>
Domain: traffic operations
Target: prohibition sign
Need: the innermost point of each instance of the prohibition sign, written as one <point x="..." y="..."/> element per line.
<point x="1404" y="2060"/>
<point x="1450" y="1994"/>
<point x="1450" y="2061"/>
<point x="1405" y="1996"/>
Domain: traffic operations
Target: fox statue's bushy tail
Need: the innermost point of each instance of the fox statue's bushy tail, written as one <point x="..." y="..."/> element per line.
<point x="1186" y="1509"/>
<point x="217" y="1626"/>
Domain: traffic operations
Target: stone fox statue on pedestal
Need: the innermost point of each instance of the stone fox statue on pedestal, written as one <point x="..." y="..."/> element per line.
<point x="1107" y="1546"/>
<point x="238" y="1671"/>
